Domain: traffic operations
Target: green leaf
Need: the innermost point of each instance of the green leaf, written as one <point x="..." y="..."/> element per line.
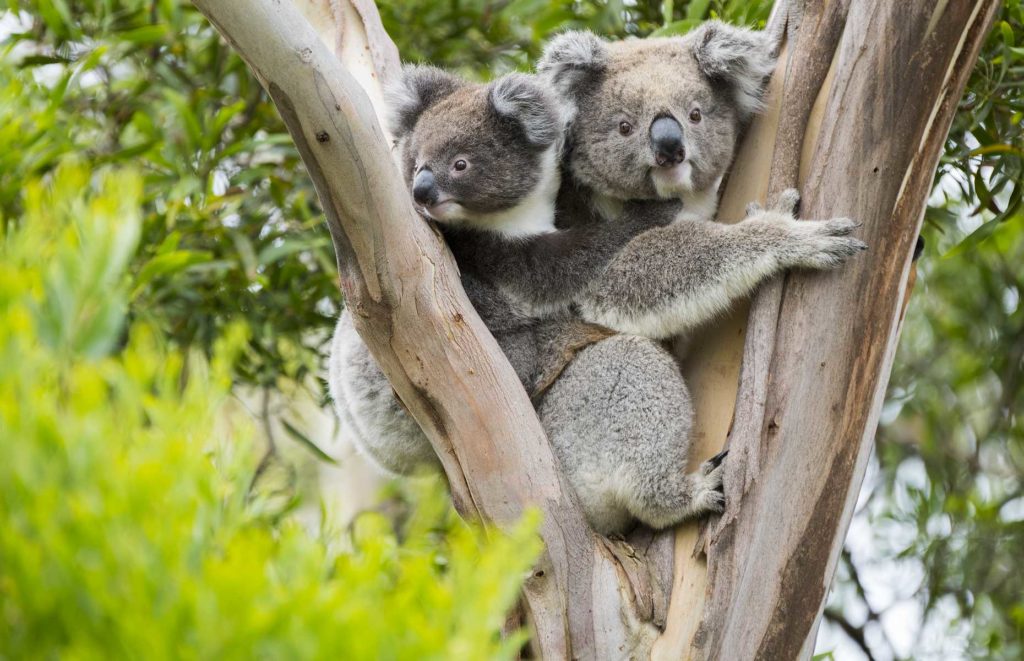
<point x="287" y="247"/>
<point x="697" y="9"/>
<point x="145" y="35"/>
<point x="38" y="60"/>
<point x="677" y="28"/>
<point x="168" y="264"/>
<point x="307" y="443"/>
<point x="1007" y="33"/>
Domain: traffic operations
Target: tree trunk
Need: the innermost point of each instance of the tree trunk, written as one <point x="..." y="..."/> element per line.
<point x="861" y="104"/>
<point x="860" y="130"/>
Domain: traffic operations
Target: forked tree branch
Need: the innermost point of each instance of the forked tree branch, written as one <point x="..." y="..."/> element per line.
<point x="817" y="356"/>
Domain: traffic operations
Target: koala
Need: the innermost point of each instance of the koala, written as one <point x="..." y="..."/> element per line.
<point x="659" y="119"/>
<point x="483" y="162"/>
<point x="490" y="163"/>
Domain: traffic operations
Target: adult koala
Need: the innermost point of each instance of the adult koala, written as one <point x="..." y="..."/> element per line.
<point x="658" y="119"/>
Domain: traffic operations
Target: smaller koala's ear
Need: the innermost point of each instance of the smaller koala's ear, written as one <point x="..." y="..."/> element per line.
<point x="739" y="57"/>
<point x="570" y="59"/>
<point x="413" y="91"/>
<point x="522" y="99"/>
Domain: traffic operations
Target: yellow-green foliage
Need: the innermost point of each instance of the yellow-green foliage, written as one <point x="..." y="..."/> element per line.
<point x="126" y="528"/>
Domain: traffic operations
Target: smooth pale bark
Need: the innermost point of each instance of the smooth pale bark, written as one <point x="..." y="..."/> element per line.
<point x="587" y="597"/>
<point x="861" y="133"/>
<point x="859" y="109"/>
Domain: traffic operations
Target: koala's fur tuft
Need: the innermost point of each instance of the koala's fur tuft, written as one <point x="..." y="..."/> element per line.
<point x="740" y="58"/>
<point x="518" y="98"/>
<point x="572" y="58"/>
<point x="416" y="89"/>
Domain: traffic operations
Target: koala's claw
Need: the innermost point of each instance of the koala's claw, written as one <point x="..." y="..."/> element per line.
<point x="717" y="460"/>
<point x="841" y="226"/>
<point x="710" y="495"/>
<point x="753" y="209"/>
<point x="788" y="202"/>
<point x="835" y="252"/>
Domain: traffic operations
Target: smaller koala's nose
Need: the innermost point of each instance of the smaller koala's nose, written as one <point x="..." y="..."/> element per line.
<point x="424" y="189"/>
<point x="667" y="141"/>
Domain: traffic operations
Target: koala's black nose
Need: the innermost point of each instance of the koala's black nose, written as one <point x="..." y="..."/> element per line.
<point x="667" y="141"/>
<point x="424" y="189"/>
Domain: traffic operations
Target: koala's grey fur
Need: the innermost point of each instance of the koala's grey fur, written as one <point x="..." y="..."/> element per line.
<point x="618" y="415"/>
<point x="671" y="280"/>
<point x="668" y="280"/>
<point x="510" y="133"/>
<point x="366" y="404"/>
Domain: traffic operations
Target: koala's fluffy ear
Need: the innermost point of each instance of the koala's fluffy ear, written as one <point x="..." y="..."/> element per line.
<point x="572" y="58"/>
<point x="520" y="98"/>
<point x="413" y="91"/>
<point x="739" y="57"/>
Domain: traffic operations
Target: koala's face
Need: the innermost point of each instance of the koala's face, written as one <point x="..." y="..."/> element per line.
<point x="464" y="161"/>
<point x="475" y="154"/>
<point x="651" y="125"/>
<point x="657" y="118"/>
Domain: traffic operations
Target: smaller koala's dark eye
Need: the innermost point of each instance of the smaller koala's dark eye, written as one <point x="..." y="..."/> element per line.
<point x="625" y="128"/>
<point x="695" y="115"/>
<point x="460" y="165"/>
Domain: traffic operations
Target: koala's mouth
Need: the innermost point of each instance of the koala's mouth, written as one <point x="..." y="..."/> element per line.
<point x="444" y="208"/>
<point x="673" y="181"/>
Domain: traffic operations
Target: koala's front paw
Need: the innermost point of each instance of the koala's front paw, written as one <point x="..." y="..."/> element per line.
<point x="822" y="244"/>
<point x="709" y="496"/>
<point x="812" y="244"/>
<point x="786" y="204"/>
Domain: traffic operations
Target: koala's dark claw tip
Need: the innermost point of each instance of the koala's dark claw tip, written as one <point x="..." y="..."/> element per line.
<point x="717" y="460"/>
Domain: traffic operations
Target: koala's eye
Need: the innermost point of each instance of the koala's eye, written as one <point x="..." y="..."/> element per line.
<point x="625" y="128"/>
<point x="460" y="165"/>
<point x="695" y="116"/>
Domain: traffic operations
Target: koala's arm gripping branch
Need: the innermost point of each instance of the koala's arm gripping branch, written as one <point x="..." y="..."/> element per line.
<point x="653" y="290"/>
<point x="403" y="288"/>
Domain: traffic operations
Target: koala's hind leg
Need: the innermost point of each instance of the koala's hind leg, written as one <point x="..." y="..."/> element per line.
<point x="619" y="420"/>
<point x="672" y="496"/>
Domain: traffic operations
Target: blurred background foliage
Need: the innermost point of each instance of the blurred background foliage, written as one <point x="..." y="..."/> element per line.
<point x="130" y="526"/>
<point x="230" y="235"/>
